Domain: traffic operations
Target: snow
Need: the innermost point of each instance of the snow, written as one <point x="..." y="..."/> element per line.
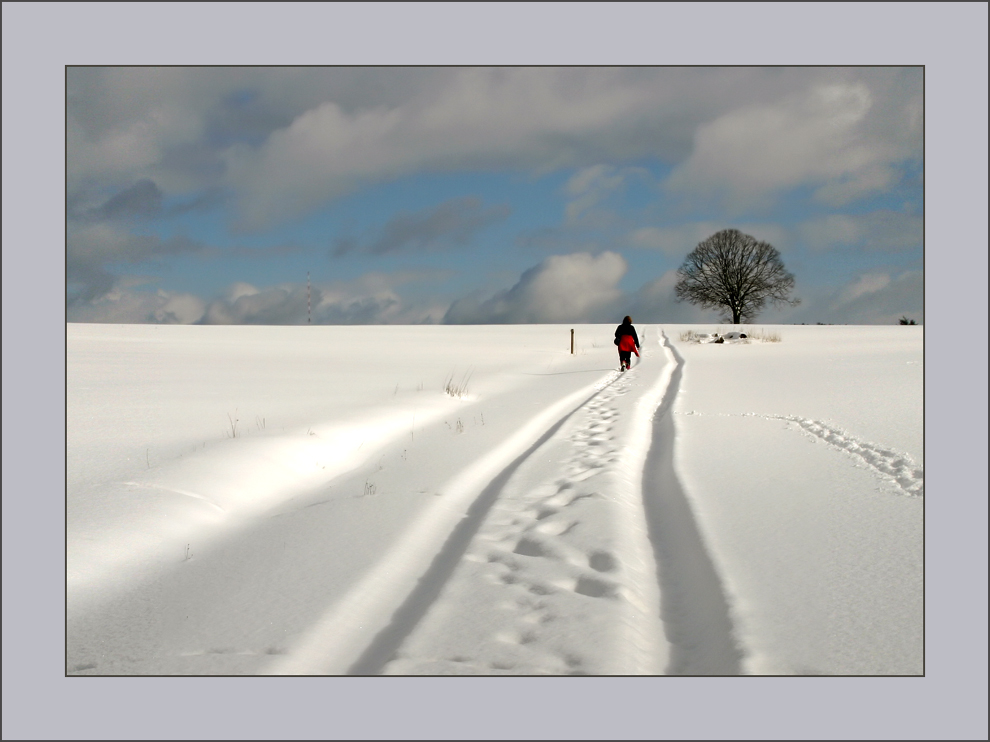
<point x="802" y="463"/>
<point x="309" y="500"/>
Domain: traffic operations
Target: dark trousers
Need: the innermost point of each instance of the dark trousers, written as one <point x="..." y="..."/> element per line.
<point x="625" y="356"/>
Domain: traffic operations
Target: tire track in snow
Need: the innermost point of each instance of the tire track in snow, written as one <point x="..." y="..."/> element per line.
<point x="355" y="633"/>
<point x="384" y="646"/>
<point x="694" y="608"/>
<point x="897" y="468"/>
<point x="559" y="578"/>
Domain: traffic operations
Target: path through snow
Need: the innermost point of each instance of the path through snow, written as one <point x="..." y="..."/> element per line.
<point x="550" y="571"/>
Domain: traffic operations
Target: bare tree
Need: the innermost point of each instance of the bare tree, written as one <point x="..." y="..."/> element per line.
<point x="733" y="271"/>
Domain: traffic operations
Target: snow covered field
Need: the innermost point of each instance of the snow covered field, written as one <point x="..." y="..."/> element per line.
<point x="310" y="500"/>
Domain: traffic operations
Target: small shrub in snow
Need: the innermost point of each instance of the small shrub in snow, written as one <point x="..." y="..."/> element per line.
<point x="766" y="337"/>
<point x="699" y="337"/>
<point x="456" y="390"/>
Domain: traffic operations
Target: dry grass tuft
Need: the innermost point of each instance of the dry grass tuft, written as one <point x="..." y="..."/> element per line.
<point x="459" y="389"/>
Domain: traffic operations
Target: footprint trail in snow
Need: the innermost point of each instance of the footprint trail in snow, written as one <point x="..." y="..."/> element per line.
<point x="898" y="469"/>
<point x="559" y="578"/>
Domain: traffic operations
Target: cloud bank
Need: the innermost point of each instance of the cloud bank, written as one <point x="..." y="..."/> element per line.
<point x="618" y="159"/>
<point x="563" y="288"/>
<point x="284" y="141"/>
<point x="823" y="138"/>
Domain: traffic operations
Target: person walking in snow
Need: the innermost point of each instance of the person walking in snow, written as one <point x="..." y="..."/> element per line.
<point x="628" y="342"/>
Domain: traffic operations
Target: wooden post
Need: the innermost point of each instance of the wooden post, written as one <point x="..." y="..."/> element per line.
<point x="572" y="342"/>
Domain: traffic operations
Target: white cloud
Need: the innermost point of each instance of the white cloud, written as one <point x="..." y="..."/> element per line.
<point x="125" y="306"/>
<point x="279" y="305"/>
<point x="479" y="118"/>
<point x="369" y="299"/>
<point x="286" y="140"/>
<point x="880" y="299"/>
<point x="563" y="288"/>
<point x="236" y="290"/>
<point x="825" y="137"/>
<point x="121" y="121"/>
<point x="179" y="308"/>
<point x="90" y="246"/>
<point x="869" y="283"/>
<point x="116" y="155"/>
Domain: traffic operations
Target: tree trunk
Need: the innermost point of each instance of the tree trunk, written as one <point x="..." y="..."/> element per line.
<point x="735" y="316"/>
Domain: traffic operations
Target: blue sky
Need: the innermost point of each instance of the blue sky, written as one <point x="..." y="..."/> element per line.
<point x="514" y="194"/>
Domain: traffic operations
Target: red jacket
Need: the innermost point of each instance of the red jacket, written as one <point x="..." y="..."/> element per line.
<point x="626" y="338"/>
<point x="626" y="342"/>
